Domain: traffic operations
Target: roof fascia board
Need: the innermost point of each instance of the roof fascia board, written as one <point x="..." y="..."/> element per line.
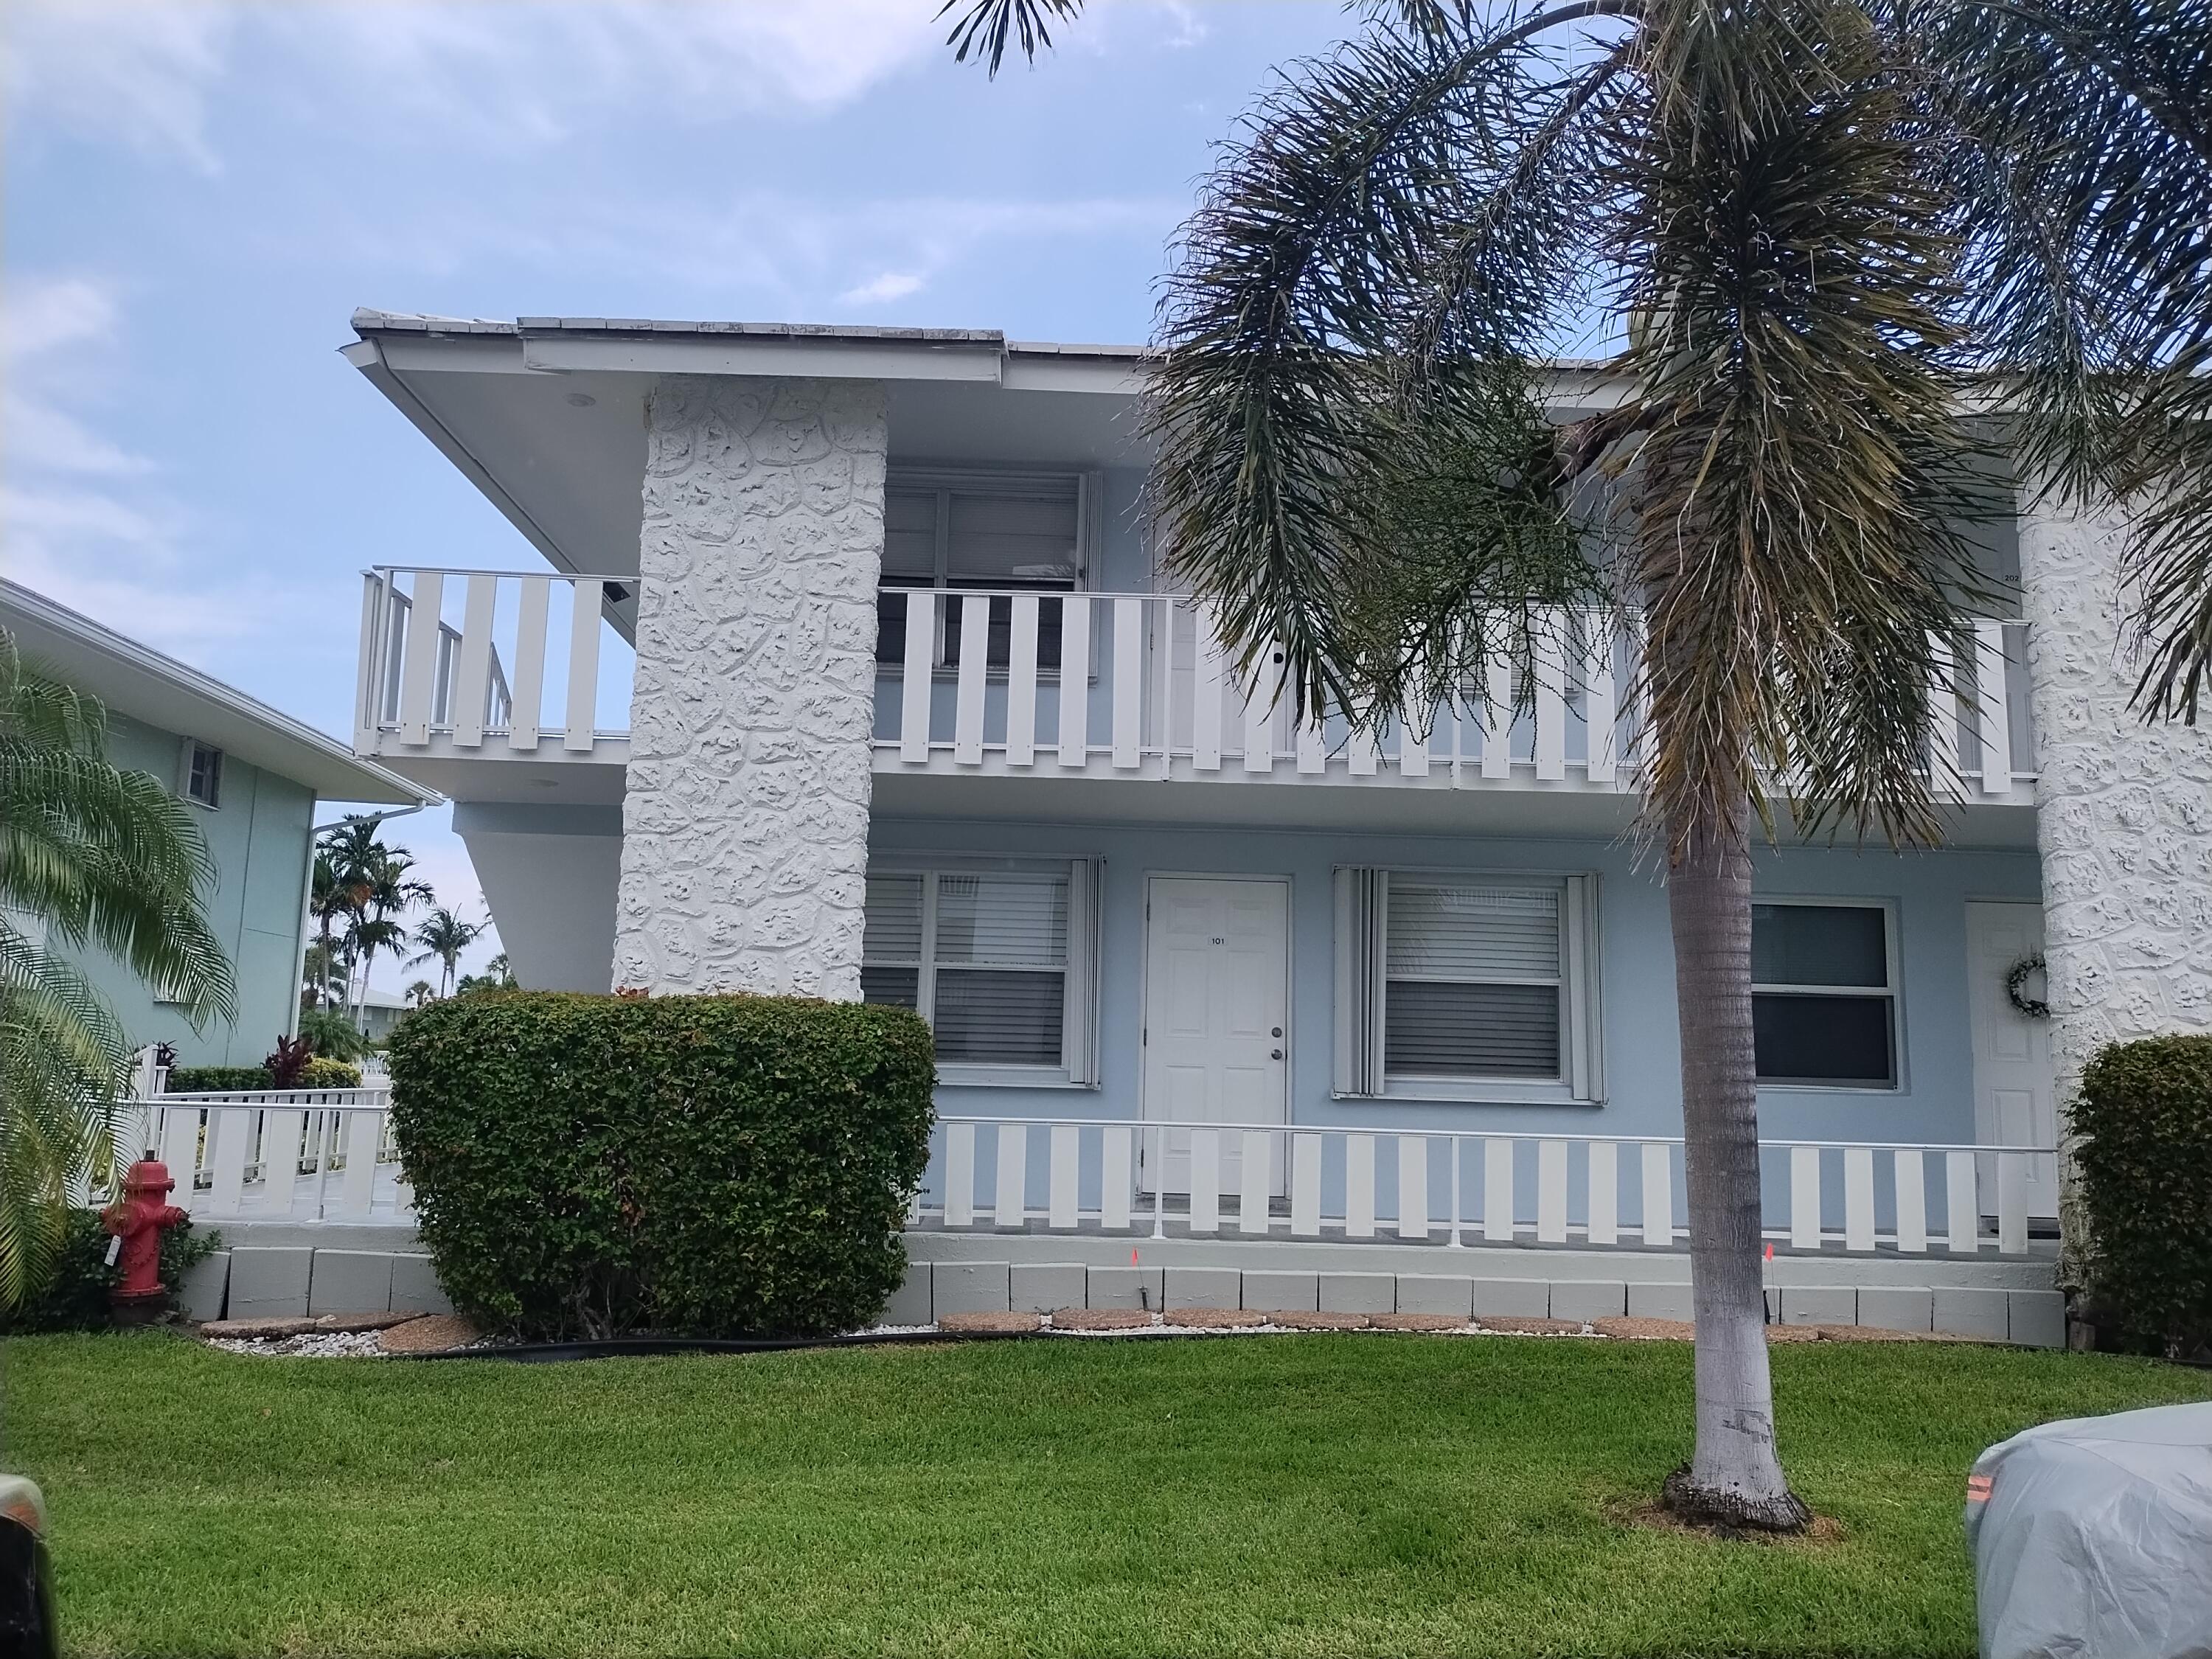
<point x="112" y="663"/>
<point x="1112" y="377"/>
<point x="811" y="358"/>
<point x="373" y="359"/>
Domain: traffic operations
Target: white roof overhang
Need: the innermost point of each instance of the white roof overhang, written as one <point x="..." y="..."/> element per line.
<point x="137" y="681"/>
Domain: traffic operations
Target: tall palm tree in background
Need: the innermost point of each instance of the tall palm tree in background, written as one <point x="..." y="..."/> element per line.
<point x="367" y="892"/>
<point x="444" y="934"/>
<point x="386" y="894"/>
<point x="1819" y="238"/>
<point x="330" y="901"/>
<point x="90" y="856"/>
<point x="422" y="993"/>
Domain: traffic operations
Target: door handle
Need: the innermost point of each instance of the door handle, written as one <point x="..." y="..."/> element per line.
<point x="1274" y="1053"/>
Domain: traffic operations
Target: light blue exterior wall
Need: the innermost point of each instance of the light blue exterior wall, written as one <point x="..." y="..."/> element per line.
<point x="1928" y="892"/>
<point x="260" y="836"/>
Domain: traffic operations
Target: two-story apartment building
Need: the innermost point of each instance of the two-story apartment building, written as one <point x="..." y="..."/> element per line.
<point x="851" y="667"/>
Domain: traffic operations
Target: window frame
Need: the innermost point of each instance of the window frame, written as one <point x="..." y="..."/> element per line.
<point x="1029" y="484"/>
<point x="1363" y="954"/>
<point x="1078" y="1041"/>
<point x="212" y="802"/>
<point x="1893" y="968"/>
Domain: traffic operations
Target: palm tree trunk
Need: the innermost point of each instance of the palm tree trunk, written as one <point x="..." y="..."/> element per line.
<point x="1734" y="1477"/>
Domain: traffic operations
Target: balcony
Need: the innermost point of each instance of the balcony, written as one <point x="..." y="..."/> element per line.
<point x="462" y="671"/>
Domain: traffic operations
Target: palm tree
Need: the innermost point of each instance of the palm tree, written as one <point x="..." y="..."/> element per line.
<point x="443" y="936"/>
<point x="330" y="901"/>
<point x="324" y="972"/>
<point x="422" y="993"/>
<point x="384" y="893"/>
<point x="89" y="855"/>
<point x="1816" y="237"/>
<point x="497" y="977"/>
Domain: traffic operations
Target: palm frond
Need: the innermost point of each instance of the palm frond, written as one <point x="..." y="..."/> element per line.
<point x="986" y="27"/>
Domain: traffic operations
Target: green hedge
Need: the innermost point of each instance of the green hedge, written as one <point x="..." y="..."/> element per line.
<point x="209" y="1080"/>
<point x="711" y="1166"/>
<point x="2146" y="1110"/>
<point x="201" y="1079"/>
<point x="74" y="1297"/>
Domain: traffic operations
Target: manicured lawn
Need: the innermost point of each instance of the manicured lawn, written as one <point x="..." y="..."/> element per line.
<point x="1315" y="1494"/>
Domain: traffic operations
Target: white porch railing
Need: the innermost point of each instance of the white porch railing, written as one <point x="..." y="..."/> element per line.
<point x="1137" y="685"/>
<point x="1262" y="1182"/>
<point x="523" y="642"/>
<point x="327" y="1155"/>
<point x="275" y="1155"/>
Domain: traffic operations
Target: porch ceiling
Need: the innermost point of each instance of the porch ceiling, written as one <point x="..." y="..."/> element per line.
<point x="1435" y="807"/>
<point x="549" y="422"/>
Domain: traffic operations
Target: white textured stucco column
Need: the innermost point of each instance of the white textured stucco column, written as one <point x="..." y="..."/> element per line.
<point x="2124" y="813"/>
<point x="745" y="826"/>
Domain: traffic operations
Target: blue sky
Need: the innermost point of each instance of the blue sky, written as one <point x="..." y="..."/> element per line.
<point x="198" y="195"/>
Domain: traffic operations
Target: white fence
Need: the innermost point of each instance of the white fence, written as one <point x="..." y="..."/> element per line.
<point x="1140" y="684"/>
<point x="1256" y="1181"/>
<point x="275" y="1155"/>
<point x="327" y="1155"/>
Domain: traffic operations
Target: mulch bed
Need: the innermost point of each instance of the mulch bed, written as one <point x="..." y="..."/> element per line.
<point x="435" y="1334"/>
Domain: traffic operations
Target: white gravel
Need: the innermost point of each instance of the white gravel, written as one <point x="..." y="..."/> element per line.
<point x="315" y="1344"/>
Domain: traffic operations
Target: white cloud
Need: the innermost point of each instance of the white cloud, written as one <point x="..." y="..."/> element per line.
<point x="511" y="78"/>
<point x="502" y="78"/>
<point x="134" y="71"/>
<point x="881" y="290"/>
<point x="86" y="521"/>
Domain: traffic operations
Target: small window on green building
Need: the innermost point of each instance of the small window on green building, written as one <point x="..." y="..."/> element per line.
<point x="203" y="774"/>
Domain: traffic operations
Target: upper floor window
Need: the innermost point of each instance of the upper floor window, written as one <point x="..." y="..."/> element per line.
<point x="997" y="959"/>
<point x="1457" y="984"/>
<point x="1824" y="994"/>
<point x="949" y="532"/>
<point x="202" y="773"/>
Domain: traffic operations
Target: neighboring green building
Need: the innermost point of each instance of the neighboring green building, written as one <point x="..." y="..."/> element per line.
<point x="255" y="776"/>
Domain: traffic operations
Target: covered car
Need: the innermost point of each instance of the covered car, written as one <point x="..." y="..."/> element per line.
<point x="2093" y="1537"/>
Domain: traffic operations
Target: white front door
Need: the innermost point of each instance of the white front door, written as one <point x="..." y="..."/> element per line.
<point x="2015" y="1092"/>
<point x="1217" y="1015"/>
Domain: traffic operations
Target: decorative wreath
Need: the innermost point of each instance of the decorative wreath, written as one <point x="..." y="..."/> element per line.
<point x="2016" y="986"/>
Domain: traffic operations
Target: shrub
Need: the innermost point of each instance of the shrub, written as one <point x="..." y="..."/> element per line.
<point x="319" y="1073"/>
<point x="711" y="1166"/>
<point x="332" y="1033"/>
<point x="2146" y="1109"/>
<point x="74" y="1297"/>
<point x="204" y="1079"/>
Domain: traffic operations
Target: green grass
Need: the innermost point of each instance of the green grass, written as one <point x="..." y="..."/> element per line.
<point x="1326" y="1496"/>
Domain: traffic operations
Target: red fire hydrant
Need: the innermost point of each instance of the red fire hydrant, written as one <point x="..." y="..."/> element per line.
<point x="138" y="1219"/>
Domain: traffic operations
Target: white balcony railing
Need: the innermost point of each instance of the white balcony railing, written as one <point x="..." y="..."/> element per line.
<point x="1135" y="1178"/>
<point x="1139" y="685"/>
<point x="460" y="664"/>
<point x="521" y="674"/>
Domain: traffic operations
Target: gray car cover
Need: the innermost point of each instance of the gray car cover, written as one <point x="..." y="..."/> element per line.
<point x="2093" y="1537"/>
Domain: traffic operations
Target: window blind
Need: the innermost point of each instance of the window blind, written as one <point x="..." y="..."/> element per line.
<point x="1466" y="982"/>
<point x="1001" y="962"/>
